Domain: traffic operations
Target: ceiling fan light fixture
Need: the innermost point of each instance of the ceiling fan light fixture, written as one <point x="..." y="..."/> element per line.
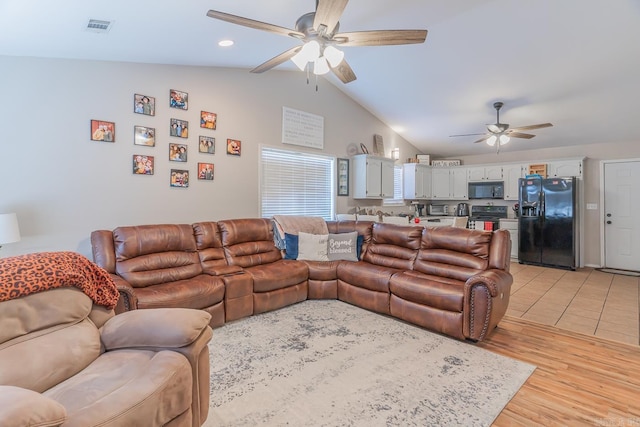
<point x="504" y="139"/>
<point x="333" y="55"/>
<point x="300" y="60"/>
<point x="320" y="66"/>
<point x="491" y="141"/>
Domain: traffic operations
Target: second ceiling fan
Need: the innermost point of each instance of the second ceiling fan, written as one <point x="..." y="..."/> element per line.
<point x="500" y="133"/>
<point x="319" y="32"/>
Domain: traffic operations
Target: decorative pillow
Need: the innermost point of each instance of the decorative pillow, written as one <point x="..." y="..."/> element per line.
<point x="291" y="246"/>
<point x="312" y="247"/>
<point x="343" y="246"/>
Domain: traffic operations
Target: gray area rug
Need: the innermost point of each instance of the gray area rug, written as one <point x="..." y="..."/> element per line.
<point x="327" y="363"/>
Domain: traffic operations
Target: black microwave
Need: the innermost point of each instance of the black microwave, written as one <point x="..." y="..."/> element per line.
<point x="486" y="190"/>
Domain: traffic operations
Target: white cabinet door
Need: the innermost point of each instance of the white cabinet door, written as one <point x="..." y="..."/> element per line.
<point x="386" y="178"/>
<point x="440" y="183"/>
<point x="564" y="168"/>
<point x="484" y="173"/>
<point x="475" y="174"/>
<point x="459" y="187"/>
<point x="373" y="177"/>
<point x="493" y="173"/>
<point x="511" y="175"/>
<point x="416" y="181"/>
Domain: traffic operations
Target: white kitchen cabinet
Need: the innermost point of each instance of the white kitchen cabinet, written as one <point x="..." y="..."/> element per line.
<point x="512" y="226"/>
<point x="511" y="175"/>
<point x="372" y="177"/>
<point x="449" y="183"/>
<point x="485" y="173"/>
<point x="562" y="168"/>
<point x="416" y="181"/>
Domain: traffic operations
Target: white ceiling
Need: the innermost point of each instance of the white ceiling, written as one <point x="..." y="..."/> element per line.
<point x="574" y="63"/>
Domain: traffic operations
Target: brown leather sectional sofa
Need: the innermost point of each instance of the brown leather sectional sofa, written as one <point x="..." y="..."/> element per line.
<point x="449" y="280"/>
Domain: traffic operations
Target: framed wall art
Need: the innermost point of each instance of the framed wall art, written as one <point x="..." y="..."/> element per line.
<point x="143" y="135"/>
<point x="177" y="152"/>
<point x="178" y="99"/>
<point x="103" y="131"/>
<point x="143" y="104"/>
<point x="143" y="165"/>
<point x="179" y="128"/>
<point x="205" y="171"/>
<point x="233" y="147"/>
<point x="208" y="120"/>
<point x="179" y="178"/>
<point x="343" y="177"/>
<point x="206" y="144"/>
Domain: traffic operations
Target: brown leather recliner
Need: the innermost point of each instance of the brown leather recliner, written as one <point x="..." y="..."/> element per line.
<point x="66" y="361"/>
<point x="158" y="266"/>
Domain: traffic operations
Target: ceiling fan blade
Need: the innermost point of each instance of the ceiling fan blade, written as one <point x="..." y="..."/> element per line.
<point x="468" y="134"/>
<point x="344" y="72"/>
<point x="482" y="139"/>
<point x="531" y="127"/>
<point x="520" y="135"/>
<point x="277" y="60"/>
<point x="328" y="13"/>
<point x="380" y="37"/>
<point x="258" y="25"/>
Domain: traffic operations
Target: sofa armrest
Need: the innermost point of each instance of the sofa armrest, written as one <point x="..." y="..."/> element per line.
<point x="486" y="297"/>
<point x="223" y="270"/>
<point x="158" y="328"/>
<point x="497" y="281"/>
<point x="22" y="407"/>
<point x="128" y="300"/>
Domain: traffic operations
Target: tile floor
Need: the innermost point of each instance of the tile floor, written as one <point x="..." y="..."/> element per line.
<point x="586" y="301"/>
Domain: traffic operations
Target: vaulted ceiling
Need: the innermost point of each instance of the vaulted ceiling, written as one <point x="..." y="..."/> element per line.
<point x="574" y="63"/>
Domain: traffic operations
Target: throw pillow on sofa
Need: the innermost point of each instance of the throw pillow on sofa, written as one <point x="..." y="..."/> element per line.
<point x="312" y="247"/>
<point x="343" y="246"/>
<point x="291" y="251"/>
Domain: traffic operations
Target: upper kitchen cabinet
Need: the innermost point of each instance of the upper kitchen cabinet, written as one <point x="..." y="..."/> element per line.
<point x="560" y="168"/>
<point x="449" y="183"/>
<point x="416" y="181"/>
<point x="485" y="173"/>
<point x="511" y="175"/>
<point x="372" y="177"/>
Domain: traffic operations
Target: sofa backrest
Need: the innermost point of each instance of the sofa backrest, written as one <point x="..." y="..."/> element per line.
<point x="153" y="254"/>
<point x="364" y="229"/>
<point x="209" y="244"/>
<point x="459" y="253"/>
<point x="248" y="242"/>
<point x="393" y="245"/>
<point x="46" y="337"/>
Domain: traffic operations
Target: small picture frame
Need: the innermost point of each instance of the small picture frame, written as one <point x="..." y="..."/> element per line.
<point x="343" y="177"/>
<point x="206" y="144"/>
<point x="179" y="128"/>
<point x="143" y="164"/>
<point x="208" y="120"/>
<point x="143" y="135"/>
<point x="143" y="104"/>
<point x="234" y="147"/>
<point x="103" y="131"/>
<point x="178" y="99"/>
<point x="177" y="152"/>
<point x="179" y="178"/>
<point x="205" y="171"/>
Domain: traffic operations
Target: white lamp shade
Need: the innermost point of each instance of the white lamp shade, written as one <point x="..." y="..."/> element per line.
<point x="320" y="66"/>
<point x="333" y="55"/>
<point x="9" y="231"/>
<point x="311" y="51"/>
<point x="300" y="60"/>
<point x="504" y="139"/>
<point x="492" y="140"/>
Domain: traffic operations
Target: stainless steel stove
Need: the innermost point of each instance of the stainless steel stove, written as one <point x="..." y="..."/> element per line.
<point x="486" y="217"/>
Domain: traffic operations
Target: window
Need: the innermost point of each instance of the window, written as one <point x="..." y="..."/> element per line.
<point x="397" y="188"/>
<point x="295" y="183"/>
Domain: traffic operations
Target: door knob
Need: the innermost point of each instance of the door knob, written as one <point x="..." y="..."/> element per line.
<point x="608" y="222"/>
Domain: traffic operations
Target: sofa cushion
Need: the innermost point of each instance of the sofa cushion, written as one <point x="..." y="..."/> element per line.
<point x="432" y="291"/>
<point x="394" y="246"/>
<point x="22" y="407"/>
<point x="248" y="242"/>
<point x="365" y="275"/>
<point x="125" y="387"/>
<point x="209" y="244"/>
<point x="278" y="275"/>
<point x="201" y="291"/>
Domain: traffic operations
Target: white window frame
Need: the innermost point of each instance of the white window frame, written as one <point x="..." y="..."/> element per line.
<point x="398" y="197"/>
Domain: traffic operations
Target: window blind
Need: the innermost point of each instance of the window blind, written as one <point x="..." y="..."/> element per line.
<point x="398" y="198"/>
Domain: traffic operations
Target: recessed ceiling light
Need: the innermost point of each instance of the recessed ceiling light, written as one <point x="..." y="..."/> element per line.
<point x="225" y="43"/>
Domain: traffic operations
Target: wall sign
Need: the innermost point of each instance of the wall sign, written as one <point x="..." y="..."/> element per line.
<point x="446" y="163"/>
<point x="302" y="128"/>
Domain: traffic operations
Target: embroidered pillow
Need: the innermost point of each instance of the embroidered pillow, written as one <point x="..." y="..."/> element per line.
<point x="343" y="246"/>
<point x="312" y="247"/>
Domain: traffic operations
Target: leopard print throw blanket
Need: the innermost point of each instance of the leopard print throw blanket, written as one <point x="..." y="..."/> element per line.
<point x="27" y="274"/>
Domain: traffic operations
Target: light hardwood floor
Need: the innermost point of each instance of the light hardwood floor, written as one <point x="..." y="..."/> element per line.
<point x="580" y="329"/>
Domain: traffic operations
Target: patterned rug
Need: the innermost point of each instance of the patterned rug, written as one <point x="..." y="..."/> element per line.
<point x="328" y="363"/>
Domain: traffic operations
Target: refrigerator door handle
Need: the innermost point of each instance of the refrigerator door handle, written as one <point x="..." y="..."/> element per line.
<point x="542" y="207"/>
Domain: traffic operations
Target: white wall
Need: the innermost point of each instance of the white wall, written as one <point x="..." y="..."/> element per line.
<point x="62" y="185"/>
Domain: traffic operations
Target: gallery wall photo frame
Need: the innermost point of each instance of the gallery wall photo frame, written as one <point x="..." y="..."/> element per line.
<point x="343" y="177"/>
<point x="178" y="99"/>
<point x="208" y="120"/>
<point x="179" y="128"/>
<point x="144" y="104"/>
<point x="143" y="164"/>
<point x="143" y="135"/>
<point x="205" y="171"/>
<point x="178" y="152"/>
<point x="206" y="144"/>
<point x="103" y="131"/>
<point x="234" y="147"/>
<point x="179" y="178"/>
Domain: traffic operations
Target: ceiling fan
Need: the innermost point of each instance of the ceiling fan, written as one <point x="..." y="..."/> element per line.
<point x="500" y="133"/>
<point x="319" y="32"/>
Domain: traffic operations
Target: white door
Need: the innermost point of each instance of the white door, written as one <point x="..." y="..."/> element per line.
<point x="621" y="208"/>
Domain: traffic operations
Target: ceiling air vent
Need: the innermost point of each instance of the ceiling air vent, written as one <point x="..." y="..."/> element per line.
<point x="98" y="26"/>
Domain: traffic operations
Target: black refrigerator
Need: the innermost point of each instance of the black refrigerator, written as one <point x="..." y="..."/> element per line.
<point x="547" y="222"/>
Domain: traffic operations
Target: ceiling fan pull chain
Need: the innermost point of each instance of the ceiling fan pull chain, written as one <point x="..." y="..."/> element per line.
<point x="316" y="82"/>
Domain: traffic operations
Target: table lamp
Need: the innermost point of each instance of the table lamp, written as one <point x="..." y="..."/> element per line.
<point x="9" y="231"/>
